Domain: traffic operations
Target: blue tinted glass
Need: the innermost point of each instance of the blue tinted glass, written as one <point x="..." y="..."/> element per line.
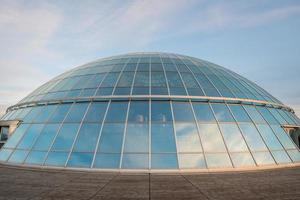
<point x="45" y="113"/>
<point x="267" y="115"/>
<point x="141" y="79"/>
<point x="174" y="79"/>
<point x="59" y="113"/>
<point x="139" y="111"/>
<point x="110" y="80"/>
<point x="294" y="154"/>
<point x="283" y="137"/>
<point x="187" y="137"/>
<point x="164" y="161"/>
<point x="222" y="113"/>
<point x="30" y="136"/>
<point x="281" y="157"/>
<point x="111" y="138"/>
<point x="263" y="158"/>
<point x="4" y="154"/>
<point x="65" y="137"/>
<point x="254" y="114"/>
<point x="239" y="113"/>
<point x="96" y="112"/>
<point x="161" y="111"/>
<point x="242" y="159"/>
<point x="183" y="112"/>
<point x="125" y="79"/>
<point x="233" y="137"/>
<point x="252" y="137"/>
<point x="189" y="80"/>
<point x="80" y="160"/>
<point x="36" y="157"/>
<point x="56" y="158"/>
<point x="269" y="137"/>
<point x="277" y="116"/>
<point x="46" y="137"/>
<point x="95" y="82"/>
<point x="122" y="91"/>
<point x="218" y="160"/>
<point x="107" y="161"/>
<point x="211" y="138"/>
<point x="105" y="91"/>
<point x="192" y="161"/>
<point x="18" y="156"/>
<point x="87" y="92"/>
<point x="87" y="138"/>
<point x="117" y="112"/>
<point x="33" y="113"/>
<point x="162" y="138"/>
<point x="135" y="161"/>
<point x="158" y="79"/>
<point x="137" y="138"/>
<point x="203" y="112"/>
<point x="16" y="136"/>
<point x="77" y="112"/>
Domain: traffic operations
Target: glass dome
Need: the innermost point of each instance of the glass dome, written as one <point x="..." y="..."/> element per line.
<point x="150" y="111"/>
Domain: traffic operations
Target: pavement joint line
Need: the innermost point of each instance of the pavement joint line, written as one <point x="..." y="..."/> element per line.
<point x="201" y="192"/>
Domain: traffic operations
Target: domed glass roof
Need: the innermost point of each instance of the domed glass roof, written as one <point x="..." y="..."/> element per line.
<point x="150" y="111"/>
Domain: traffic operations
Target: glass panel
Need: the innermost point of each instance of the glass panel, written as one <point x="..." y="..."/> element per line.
<point x="283" y="137"/>
<point x="281" y="157"/>
<point x="192" y="161"/>
<point x="252" y="137"/>
<point x="111" y="138"/>
<point x="110" y="80"/>
<point x="211" y="138"/>
<point x="56" y="158"/>
<point x="277" y="116"/>
<point x="203" y="112"/>
<point x="96" y="112"/>
<point x="65" y="137"/>
<point x="107" y="161"/>
<point x="87" y="138"/>
<point x="222" y="113"/>
<point x="161" y="111"/>
<point x="242" y="159"/>
<point x="137" y="138"/>
<point x="33" y="113"/>
<point x="135" y="161"/>
<point x="77" y="112"/>
<point x="59" y="113"/>
<point x="164" y="161"/>
<point x="267" y="115"/>
<point x="295" y="155"/>
<point x="158" y="79"/>
<point x="139" y="111"/>
<point x="30" y="136"/>
<point x="218" y="160"/>
<point x="174" y="80"/>
<point x="46" y="137"/>
<point x="233" y="137"/>
<point x="16" y="136"/>
<point x="117" y="112"/>
<point x="4" y="154"/>
<point x="18" y="156"/>
<point x="187" y="138"/>
<point x="263" y="158"/>
<point x="183" y="112"/>
<point x="80" y="160"/>
<point x="36" y="157"/>
<point x="141" y="79"/>
<point x="45" y="113"/>
<point x="162" y="138"/>
<point x="269" y="137"/>
<point x="239" y="113"/>
<point x="254" y="114"/>
<point x="125" y="79"/>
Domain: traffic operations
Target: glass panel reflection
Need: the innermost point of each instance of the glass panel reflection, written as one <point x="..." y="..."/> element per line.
<point x="107" y="160"/>
<point x="137" y="138"/>
<point x="65" y="137"/>
<point x="162" y="138"/>
<point x="87" y="138"/>
<point x="222" y="113"/>
<point x="203" y="112"/>
<point x="242" y="159"/>
<point x="135" y="161"/>
<point x="211" y="138"/>
<point x="164" y="161"/>
<point x="80" y="160"/>
<point x="192" y="161"/>
<point x="252" y="137"/>
<point x="263" y="158"/>
<point x="218" y="160"/>
<point x="187" y="137"/>
<point x="111" y="138"/>
<point x="233" y="138"/>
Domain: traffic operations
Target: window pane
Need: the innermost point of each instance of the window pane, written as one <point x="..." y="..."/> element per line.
<point x="267" y="115"/>
<point x="269" y="137"/>
<point x="242" y="159"/>
<point x="161" y="111"/>
<point x="162" y="138"/>
<point x="46" y="137"/>
<point x="137" y="138"/>
<point x="108" y="161"/>
<point x="189" y="80"/>
<point x="174" y="80"/>
<point x="4" y="154"/>
<point x="56" y="158"/>
<point x="252" y="137"/>
<point x="203" y="112"/>
<point x="45" y="113"/>
<point x="80" y="160"/>
<point x="220" y="160"/>
<point x="125" y="79"/>
<point x="111" y="138"/>
<point x="164" y="161"/>
<point x="281" y="157"/>
<point x="18" y="156"/>
<point x="211" y="138"/>
<point x="16" y="136"/>
<point x="233" y="137"/>
<point x="141" y="79"/>
<point x="239" y="113"/>
<point x="294" y="154"/>
<point x="36" y="157"/>
<point x="77" y="112"/>
<point x="277" y="115"/>
<point x="222" y="113"/>
<point x="30" y="136"/>
<point x="158" y="79"/>
<point x="110" y="80"/>
<point x="283" y="137"/>
<point x="33" y="113"/>
<point x="187" y="138"/>
<point x="192" y="161"/>
<point x="263" y="158"/>
<point x="59" y="113"/>
<point x="254" y="114"/>
<point x="87" y="138"/>
<point x="65" y="137"/>
<point x="116" y="112"/>
<point x="135" y="161"/>
<point x="183" y="112"/>
<point x="139" y="111"/>
<point x="96" y="112"/>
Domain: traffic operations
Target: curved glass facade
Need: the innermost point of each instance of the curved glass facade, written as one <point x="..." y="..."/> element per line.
<point x="150" y="111"/>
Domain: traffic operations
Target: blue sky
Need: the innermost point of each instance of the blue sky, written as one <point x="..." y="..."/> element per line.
<point x="257" y="39"/>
